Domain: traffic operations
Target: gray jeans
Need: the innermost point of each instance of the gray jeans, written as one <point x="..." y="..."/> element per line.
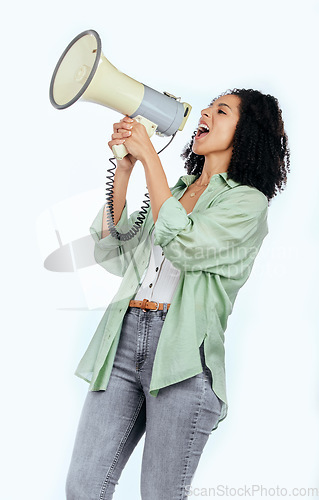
<point x="176" y="423"/>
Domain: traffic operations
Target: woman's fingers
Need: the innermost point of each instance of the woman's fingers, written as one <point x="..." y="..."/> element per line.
<point x="121" y="131"/>
<point x="121" y="134"/>
<point x="115" y="142"/>
<point x="118" y="138"/>
<point x="124" y="124"/>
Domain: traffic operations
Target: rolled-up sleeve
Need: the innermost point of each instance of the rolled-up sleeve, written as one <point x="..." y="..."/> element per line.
<point x="111" y="253"/>
<point x="223" y="239"/>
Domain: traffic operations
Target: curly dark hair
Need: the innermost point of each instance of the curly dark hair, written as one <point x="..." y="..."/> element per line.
<point x="261" y="156"/>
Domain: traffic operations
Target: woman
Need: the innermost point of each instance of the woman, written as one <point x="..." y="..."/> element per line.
<point x="156" y="362"/>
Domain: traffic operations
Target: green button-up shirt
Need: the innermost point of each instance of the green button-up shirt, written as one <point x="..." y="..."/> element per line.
<point x="214" y="248"/>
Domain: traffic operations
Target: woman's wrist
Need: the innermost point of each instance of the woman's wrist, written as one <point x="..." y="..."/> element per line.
<point x="124" y="165"/>
<point x="149" y="157"/>
<point x="123" y="172"/>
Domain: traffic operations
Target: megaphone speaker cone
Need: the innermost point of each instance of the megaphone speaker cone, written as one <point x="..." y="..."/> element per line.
<point x="75" y="69"/>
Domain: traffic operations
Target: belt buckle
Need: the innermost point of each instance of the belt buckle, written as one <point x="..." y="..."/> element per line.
<point x="145" y="301"/>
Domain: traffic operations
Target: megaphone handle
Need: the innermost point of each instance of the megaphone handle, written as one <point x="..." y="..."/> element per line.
<point x="120" y="151"/>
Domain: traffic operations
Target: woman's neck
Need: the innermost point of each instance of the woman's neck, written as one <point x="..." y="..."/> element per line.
<point x="211" y="168"/>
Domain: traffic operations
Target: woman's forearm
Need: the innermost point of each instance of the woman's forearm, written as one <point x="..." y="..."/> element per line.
<point x="156" y="182"/>
<point x="121" y="180"/>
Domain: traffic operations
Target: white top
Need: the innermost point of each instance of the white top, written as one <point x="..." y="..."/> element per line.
<point x="160" y="279"/>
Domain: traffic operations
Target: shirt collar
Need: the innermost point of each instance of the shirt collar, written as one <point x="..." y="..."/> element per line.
<point x="190" y="178"/>
<point x="231" y="183"/>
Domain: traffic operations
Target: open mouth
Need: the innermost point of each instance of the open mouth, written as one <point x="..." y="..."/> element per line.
<point x="202" y="131"/>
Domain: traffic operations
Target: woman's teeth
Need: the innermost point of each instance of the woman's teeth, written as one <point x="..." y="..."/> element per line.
<point x="202" y="130"/>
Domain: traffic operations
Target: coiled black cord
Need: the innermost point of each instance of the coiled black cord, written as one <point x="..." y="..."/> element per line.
<point x="109" y="200"/>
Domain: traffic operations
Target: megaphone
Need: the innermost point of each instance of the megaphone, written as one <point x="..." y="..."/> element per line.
<point x="83" y="72"/>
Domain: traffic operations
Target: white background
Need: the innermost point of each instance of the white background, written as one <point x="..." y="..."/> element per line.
<point x="194" y="50"/>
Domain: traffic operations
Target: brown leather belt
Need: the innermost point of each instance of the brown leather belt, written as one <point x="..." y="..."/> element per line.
<point x="146" y="304"/>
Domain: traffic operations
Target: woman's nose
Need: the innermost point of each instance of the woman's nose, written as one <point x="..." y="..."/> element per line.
<point x="205" y="112"/>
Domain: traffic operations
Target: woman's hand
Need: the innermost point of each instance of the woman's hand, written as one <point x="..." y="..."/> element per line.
<point x="121" y="131"/>
<point x="139" y="144"/>
<point x="134" y="136"/>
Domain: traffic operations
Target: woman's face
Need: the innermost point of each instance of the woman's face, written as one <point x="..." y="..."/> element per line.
<point x="217" y="126"/>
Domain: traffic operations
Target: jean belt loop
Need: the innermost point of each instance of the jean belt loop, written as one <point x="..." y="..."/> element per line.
<point x="164" y="307"/>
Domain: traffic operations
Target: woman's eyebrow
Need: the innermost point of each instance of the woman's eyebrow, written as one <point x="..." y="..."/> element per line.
<point x="224" y="104"/>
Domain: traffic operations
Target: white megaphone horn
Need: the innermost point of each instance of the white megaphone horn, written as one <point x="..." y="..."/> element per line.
<point x="83" y="72"/>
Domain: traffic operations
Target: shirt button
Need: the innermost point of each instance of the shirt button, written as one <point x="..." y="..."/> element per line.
<point x="150" y="285"/>
<point x="156" y="269"/>
<point x="162" y="253"/>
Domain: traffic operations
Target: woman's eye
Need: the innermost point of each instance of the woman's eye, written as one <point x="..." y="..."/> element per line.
<point x="221" y="111"/>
